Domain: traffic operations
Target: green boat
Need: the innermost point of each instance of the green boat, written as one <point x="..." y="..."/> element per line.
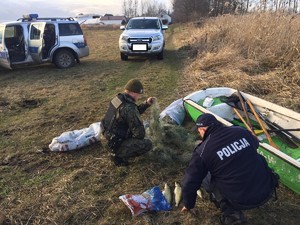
<point x="277" y="128"/>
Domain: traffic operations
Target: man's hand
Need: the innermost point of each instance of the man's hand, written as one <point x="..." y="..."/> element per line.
<point x="184" y="210"/>
<point x="151" y="100"/>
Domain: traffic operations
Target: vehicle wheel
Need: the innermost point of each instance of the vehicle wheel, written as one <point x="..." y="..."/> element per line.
<point x="160" y="56"/>
<point x="124" y="57"/>
<point x="64" y="59"/>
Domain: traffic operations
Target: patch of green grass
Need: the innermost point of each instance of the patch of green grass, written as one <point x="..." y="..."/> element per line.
<point x="44" y="178"/>
<point x="4" y="189"/>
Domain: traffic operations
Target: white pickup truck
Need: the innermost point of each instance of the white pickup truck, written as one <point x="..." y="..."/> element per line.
<point x="142" y="36"/>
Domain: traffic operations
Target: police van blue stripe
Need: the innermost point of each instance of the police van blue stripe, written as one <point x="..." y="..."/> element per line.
<point x="33" y="49"/>
<point x="3" y="55"/>
<point x="79" y="44"/>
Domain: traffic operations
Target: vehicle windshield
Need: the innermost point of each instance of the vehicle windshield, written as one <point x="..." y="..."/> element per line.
<point x="143" y="24"/>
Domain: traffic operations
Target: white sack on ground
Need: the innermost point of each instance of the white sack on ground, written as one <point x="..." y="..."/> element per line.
<point x="72" y="140"/>
<point x="175" y="111"/>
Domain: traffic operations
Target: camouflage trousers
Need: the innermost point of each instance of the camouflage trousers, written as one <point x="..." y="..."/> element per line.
<point x="133" y="147"/>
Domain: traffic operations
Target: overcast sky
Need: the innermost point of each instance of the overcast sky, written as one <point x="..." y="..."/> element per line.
<point x="14" y="9"/>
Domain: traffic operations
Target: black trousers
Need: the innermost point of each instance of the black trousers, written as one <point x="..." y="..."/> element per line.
<point x="226" y="204"/>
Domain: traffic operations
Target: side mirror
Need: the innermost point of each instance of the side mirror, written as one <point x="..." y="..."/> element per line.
<point x="122" y="27"/>
<point x="164" y="27"/>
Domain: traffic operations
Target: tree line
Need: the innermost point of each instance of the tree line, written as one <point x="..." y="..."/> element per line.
<point x="190" y="10"/>
<point x="133" y="8"/>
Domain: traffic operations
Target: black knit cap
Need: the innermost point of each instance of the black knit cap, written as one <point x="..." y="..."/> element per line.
<point x="206" y="120"/>
<point x="134" y="85"/>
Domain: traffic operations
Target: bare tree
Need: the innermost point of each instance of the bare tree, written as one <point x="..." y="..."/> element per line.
<point x="124" y="8"/>
<point x="296" y="6"/>
<point x="142" y="7"/>
<point x="135" y="7"/>
<point x="152" y="7"/>
<point x="132" y="8"/>
<point x="129" y="8"/>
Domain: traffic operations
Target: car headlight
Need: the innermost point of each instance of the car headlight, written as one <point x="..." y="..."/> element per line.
<point x="156" y="38"/>
<point x="124" y="37"/>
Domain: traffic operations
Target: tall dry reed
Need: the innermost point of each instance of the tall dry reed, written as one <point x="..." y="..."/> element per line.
<point x="257" y="53"/>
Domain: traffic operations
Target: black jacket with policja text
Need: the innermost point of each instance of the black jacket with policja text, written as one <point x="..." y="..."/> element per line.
<point x="230" y="155"/>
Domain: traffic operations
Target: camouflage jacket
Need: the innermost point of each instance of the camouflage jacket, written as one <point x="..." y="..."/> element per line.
<point x="128" y="121"/>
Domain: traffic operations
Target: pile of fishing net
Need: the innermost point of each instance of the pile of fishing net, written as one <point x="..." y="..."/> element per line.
<point x="171" y="142"/>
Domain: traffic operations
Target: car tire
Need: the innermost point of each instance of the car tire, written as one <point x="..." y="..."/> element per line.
<point x="160" y="56"/>
<point x="64" y="59"/>
<point x="124" y="57"/>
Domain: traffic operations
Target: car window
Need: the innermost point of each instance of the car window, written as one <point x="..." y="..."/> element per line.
<point x="133" y="24"/>
<point x="143" y="24"/>
<point x="35" y="33"/>
<point x="152" y="24"/>
<point x="68" y="29"/>
<point x="9" y="32"/>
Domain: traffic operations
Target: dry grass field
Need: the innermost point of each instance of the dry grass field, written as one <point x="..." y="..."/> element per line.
<point x="256" y="53"/>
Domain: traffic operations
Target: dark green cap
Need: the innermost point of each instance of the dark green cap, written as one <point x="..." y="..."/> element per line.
<point x="134" y="85"/>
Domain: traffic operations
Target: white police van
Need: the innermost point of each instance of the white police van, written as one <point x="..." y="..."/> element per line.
<point x="34" y="40"/>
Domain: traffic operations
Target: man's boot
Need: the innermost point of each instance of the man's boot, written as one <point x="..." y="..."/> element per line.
<point x="119" y="161"/>
<point x="231" y="216"/>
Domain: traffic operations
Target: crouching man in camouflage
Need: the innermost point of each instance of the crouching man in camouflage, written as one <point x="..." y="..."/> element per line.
<point x="123" y="127"/>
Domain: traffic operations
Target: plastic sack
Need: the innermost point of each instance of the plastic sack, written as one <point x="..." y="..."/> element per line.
<point x="175" y="111"/>
<point x="208" y="101"/>
<point x="150" y="200"/>
<point x="72" y="140"/>
<point x="223" y="110"/>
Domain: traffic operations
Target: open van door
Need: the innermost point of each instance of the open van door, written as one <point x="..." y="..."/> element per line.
<point x="4" y="56"/>
<point x="36" y="32"/>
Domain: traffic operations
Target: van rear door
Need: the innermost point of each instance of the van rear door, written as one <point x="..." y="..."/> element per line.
<point x="36" y="32"/>
<point x="4" y="56"/>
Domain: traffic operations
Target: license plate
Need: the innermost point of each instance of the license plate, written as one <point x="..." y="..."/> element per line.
<point x="139" y="47"/>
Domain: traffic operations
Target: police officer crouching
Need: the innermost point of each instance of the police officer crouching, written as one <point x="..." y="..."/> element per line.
<point x="227" y="165"/>
<point x="123" y="127"/>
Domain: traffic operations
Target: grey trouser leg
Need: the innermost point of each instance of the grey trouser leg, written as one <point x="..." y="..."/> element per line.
<point x="214" y="193"/>
<point x="133" y="147"/>
<point x="216" y="197"/>
<point x="206" y="183"/>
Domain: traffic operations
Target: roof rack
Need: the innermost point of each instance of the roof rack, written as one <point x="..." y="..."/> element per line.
<point x="55" y="19"/>
<point x="34" y="17"/>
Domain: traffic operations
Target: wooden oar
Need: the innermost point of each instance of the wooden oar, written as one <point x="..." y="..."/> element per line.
<point x="290" y="140"/>
<point x="277" y="127"/>
<point x="261" y="124"/>
<point x="284" y="134"/>
<point x="243" y="103"/>
<point x="246" y="124"/>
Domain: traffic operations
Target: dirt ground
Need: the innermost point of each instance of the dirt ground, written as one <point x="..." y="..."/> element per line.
<point x="80" y="187"/>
